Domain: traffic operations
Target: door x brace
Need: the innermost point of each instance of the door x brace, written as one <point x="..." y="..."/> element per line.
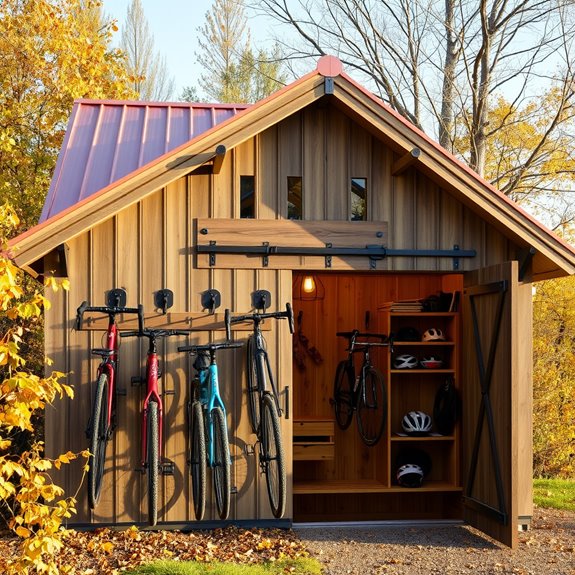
<point x="486" y="409"/>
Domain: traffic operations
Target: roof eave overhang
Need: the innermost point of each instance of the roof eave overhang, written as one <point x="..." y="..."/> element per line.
<point x="41" y="239"/>
<point x="553" y="257"/>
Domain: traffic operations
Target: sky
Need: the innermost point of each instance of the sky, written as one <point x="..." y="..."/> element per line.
<point x="173" y="24"/>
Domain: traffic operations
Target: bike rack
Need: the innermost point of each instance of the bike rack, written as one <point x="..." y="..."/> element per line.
<point x="164" y="299"/>
<point x="117" y="297"/>
<point x="261" y="299"/>
<point x="211" y="300"/>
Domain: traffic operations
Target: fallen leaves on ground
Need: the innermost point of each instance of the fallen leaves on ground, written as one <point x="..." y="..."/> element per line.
<point x="110" y="552"/>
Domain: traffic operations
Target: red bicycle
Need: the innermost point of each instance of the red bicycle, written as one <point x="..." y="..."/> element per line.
<point x="152" y="412"/>
<point x="103" y="417"/>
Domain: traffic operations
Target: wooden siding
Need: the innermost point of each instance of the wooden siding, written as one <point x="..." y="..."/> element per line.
<point x="149" y="245"/>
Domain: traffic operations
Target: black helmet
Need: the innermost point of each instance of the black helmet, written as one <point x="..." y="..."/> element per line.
<point x="407" y="334"/>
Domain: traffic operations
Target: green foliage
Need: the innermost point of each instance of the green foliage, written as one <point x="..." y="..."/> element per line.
<point x="554" y="379"/>
<point x="300" y="566"/>
<point x="51" y="52"/>
<point x="31" y="502"/>
<point x="554" y="493"/>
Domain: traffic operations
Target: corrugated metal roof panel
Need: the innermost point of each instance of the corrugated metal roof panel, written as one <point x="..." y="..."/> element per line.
<point x="107" y="140"/>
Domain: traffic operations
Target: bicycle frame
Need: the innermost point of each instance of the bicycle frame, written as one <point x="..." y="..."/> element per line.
<point x="152" y="394"/>
<point x="210" y="398"/>
<point x="265" y="376"/>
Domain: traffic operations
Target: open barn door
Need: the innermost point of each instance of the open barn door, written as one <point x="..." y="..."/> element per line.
<point x="490" y="400"/>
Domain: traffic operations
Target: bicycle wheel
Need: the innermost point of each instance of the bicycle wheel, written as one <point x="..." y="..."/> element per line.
<point x="372" y="407"/>
<point x="198" y="459"/>
<point x="343" y="394"/>
<point x="98" y="440"/>
<point x="221" y="470"/>
<point x="272" y="456"/>
<point x="153" y="456"/>
<point x="253" y="389"/>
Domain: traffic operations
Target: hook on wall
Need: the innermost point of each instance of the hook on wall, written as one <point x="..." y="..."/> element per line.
<point x="211" y="300"/>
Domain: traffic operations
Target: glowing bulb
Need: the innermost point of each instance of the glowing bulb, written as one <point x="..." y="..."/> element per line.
<point x="308" y="284"/>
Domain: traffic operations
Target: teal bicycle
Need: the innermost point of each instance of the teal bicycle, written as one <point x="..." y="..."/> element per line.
<point x="208" y="444"/>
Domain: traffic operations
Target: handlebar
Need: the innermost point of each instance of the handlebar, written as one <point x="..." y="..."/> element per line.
<point x="353" y="335"/>
<point x="154" y="333"/>
<point x="194" y="349"/>
<point x="258" y="317"/>
<point x="109" y="311"/>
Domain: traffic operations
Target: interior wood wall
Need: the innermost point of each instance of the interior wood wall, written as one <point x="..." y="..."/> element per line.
<point x="149" y="246"/>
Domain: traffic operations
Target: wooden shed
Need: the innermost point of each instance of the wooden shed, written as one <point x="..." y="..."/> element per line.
<point x="145" y="196"/>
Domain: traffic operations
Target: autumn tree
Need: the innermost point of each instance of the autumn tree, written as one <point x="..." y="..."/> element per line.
<point x="554" y="379"/>
<point x="148" y="69"/>
<point x="33" y="506"/>
<point x="51" y="52"/>
<point x="232" y="70"/>
<point x="440" y="64"/>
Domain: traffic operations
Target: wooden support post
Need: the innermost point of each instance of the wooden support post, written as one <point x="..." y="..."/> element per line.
<point x="405" y="162"/>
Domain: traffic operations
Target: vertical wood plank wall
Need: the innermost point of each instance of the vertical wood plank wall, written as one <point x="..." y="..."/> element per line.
<point x="150" y="245"/>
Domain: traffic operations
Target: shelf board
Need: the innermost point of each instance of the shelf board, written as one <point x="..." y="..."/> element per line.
<point x="423" y="438"/>
<point x="423" y="343"/>
<point x="420" y="371"/>
<point x="423" y="313"/>
<point x="366" y="486"/>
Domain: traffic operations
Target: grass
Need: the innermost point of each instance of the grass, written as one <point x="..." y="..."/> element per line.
<point x="300" y="566"/>
<point x="554" y="493"/>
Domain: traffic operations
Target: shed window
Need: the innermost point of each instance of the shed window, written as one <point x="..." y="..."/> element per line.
<point x="294" y="198"/>
<point x="358" y="199"/>
<point x="248" y="197"/>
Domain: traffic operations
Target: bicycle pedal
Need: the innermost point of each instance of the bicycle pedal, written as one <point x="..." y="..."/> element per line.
<point x="137" y="381"/>
<point x="168" y="468"/>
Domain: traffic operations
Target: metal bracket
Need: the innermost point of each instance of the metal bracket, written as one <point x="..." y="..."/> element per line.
<point x="213" y="254"/>
<point x="328" y="85"/>
<point x="164" y="299"/>
<point x="526" y="262"/>
<point x="261" y="299"/>
<point x="265" y="258"/>
<point x="456" y="259"/>
<point x="211" y="300"/>
<point x="328" y="257"/>
<point x="168" y="467"/>
<point x="116" y="297"/>
<point x="373" y="259"/>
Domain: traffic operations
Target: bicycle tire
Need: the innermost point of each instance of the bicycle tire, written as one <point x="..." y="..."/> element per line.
<point x="372" y="407"/>
<point x="98" y="440"/>
<point x="253" y="387"/>
<point x="153" y="457"/>
<point x="272" y="456"/>
<point x="343" y="394"/>
<point x="198" y="459"/>
<point x="221" y="471"/>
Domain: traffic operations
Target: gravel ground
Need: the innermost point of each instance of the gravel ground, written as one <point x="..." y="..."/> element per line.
<point x="548" y="548"/>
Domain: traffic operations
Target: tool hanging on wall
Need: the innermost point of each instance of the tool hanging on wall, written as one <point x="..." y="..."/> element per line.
<point x="301" y="347"/>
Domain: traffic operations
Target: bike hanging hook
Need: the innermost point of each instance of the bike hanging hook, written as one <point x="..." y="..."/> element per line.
<point x="211" y="300"/>
<point x="261" y="299"/>
<point x="164" y="299"/>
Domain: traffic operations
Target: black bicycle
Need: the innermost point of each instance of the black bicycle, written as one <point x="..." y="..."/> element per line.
<point x="364" y="393"/>
<point x="264" y="406"/>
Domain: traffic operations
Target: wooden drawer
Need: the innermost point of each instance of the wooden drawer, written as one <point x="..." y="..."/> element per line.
<point x="313" y="439"/>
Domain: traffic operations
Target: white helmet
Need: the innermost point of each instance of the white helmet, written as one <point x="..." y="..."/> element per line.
<point x="416" y="423"/>
<point x="405" y="361"/>
<point x="410" y="475"/>
<point x="433" y="334"/>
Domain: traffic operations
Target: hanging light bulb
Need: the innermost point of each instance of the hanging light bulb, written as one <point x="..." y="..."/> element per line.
<point x="308" y="284"/>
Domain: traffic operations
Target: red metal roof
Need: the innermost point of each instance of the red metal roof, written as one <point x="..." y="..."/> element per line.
<point x="107" y="140"/>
